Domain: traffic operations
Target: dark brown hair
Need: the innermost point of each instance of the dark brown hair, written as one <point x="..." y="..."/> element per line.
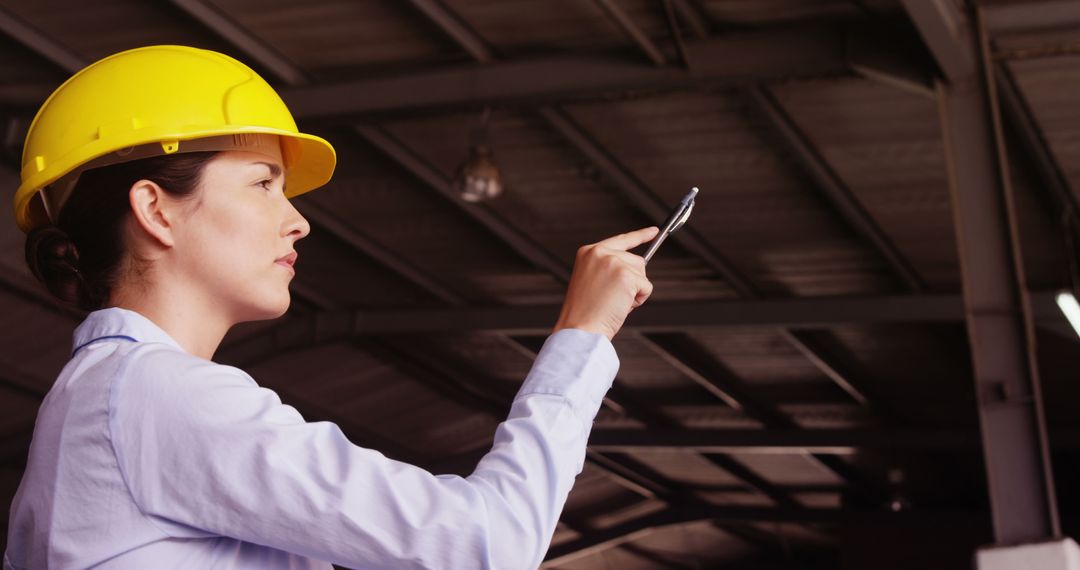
<point x="78" y="259"/>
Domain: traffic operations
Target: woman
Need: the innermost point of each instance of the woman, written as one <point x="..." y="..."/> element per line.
<point x="155" y="188"/>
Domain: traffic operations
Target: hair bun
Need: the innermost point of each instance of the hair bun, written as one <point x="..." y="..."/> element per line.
<point x="54" y="260"/>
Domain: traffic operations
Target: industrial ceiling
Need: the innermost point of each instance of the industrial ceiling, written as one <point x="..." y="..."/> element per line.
<point x="888" y="206"/>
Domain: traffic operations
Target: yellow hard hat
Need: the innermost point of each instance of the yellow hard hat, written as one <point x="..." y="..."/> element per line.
<point x="162" y="96"/>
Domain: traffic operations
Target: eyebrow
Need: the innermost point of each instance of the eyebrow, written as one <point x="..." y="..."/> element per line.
<point x="275" y="170"/>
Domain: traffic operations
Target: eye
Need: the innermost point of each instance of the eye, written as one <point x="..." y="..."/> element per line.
<point x="265" y="183"/>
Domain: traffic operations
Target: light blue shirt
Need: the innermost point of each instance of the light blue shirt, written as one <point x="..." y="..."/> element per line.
<point x="145" y="456"/>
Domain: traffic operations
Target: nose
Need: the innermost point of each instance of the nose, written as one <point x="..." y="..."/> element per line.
<point x="296" y="224"/>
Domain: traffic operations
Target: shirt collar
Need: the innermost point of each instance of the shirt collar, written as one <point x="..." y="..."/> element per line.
<point x="115" y="322"/>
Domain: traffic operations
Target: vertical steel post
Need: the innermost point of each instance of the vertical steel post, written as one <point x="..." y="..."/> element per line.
<point x="997" y="311"/>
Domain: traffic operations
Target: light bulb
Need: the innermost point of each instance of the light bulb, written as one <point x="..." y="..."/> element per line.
<point x="478" y="178"/>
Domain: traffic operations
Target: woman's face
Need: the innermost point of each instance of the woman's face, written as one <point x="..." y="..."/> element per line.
<point x="236" y="242"/>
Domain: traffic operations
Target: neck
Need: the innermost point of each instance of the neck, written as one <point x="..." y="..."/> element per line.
<point x="196" y="324"/>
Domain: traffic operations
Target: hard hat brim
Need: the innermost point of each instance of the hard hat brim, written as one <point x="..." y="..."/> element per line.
<point x="309" y="160"/>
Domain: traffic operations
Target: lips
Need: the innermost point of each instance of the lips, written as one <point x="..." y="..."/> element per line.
<point x="289" y="260"/>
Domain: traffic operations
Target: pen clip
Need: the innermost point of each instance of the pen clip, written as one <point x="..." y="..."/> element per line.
<point x="682" y="219"/>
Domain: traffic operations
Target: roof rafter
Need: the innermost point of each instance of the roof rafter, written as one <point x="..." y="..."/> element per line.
<point x="632" y="31"/>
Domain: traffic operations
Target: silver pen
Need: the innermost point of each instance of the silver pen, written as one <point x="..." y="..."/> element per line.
<point x="675" y="221"/>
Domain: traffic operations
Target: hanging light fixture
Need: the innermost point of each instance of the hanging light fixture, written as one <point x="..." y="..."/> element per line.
<point x="479" y="177"/>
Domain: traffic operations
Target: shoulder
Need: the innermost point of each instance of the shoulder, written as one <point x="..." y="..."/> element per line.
<point x="160" y="381"/>
<point x="167" y="364"/>
<point x="153" y="367"/>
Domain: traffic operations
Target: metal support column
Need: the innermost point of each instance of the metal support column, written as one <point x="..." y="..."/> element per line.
<point x="997" y="313"/>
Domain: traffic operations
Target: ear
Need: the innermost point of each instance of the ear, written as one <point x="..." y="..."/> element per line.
<point x="153" y="211"/>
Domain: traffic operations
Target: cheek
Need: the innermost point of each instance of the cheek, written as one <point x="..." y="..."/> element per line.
<point x="232" y="239"/>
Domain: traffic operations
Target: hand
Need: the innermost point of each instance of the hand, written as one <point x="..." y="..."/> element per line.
<point x="607" y="283"/>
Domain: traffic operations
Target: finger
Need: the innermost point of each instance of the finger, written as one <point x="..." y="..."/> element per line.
<point x="643" y="293"/>
<point x="630" y="240"/>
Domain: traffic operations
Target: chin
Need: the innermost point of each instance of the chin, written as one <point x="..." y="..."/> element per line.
<point x="267" y="309"/>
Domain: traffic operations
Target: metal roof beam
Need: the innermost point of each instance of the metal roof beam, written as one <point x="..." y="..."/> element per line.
<point x="632" y="31"/>
<point x="325" y="326"/>
<point x="779" y="53"/>
<point x="792" y="313"/>
<point x="1030" y="15"/>
<point x="334" y="325"/>
<point x="783" y="441"/>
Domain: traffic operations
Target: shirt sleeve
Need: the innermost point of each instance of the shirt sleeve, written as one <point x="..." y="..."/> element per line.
<point x="205" y="451"/>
